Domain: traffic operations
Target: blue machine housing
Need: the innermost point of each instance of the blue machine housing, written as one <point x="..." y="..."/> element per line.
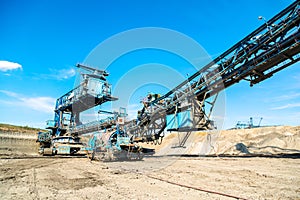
<point x="93" y="90"/>
<point x="180" y="120"/>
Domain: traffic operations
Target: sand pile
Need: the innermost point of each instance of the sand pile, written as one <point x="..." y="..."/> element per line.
<point x="266" y="140"/>
<point x="256" y="141"/>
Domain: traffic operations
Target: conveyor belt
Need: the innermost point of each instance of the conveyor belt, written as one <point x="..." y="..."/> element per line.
<point x="272" y="47"/>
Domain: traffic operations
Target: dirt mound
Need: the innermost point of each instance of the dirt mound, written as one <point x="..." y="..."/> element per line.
<point x="8" y="128"/>
<point x="256" y="141"/>
<point x="17" y="144"/>
<point x="266" y="140"/>
<point x="18" y="140"/>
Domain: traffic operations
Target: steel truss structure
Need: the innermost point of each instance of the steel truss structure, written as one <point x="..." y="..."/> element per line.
<point x="267" y="50"/>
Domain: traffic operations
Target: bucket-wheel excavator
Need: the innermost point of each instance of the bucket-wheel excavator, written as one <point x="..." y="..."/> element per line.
<point x="62" y="137"/>
<point x="272" y="47"/>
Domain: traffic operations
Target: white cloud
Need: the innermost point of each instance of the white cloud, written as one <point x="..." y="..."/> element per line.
<point x="61" y="74"/>
<point x="7" y="65"/>
<point x="65" y="73"/>
<point x="289" y="105"/>
<point x="42" y="104"/>
<point x="286" y="97"/>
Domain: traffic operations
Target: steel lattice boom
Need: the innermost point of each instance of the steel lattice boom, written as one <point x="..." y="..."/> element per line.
<point x="267" y="50"/>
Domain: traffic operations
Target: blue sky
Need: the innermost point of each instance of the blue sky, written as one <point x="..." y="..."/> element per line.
<point x="41" y="41"/>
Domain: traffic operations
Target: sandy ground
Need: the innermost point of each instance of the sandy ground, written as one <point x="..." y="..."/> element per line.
<point x="228" y="174"/>
<point x="78" y="178"/>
